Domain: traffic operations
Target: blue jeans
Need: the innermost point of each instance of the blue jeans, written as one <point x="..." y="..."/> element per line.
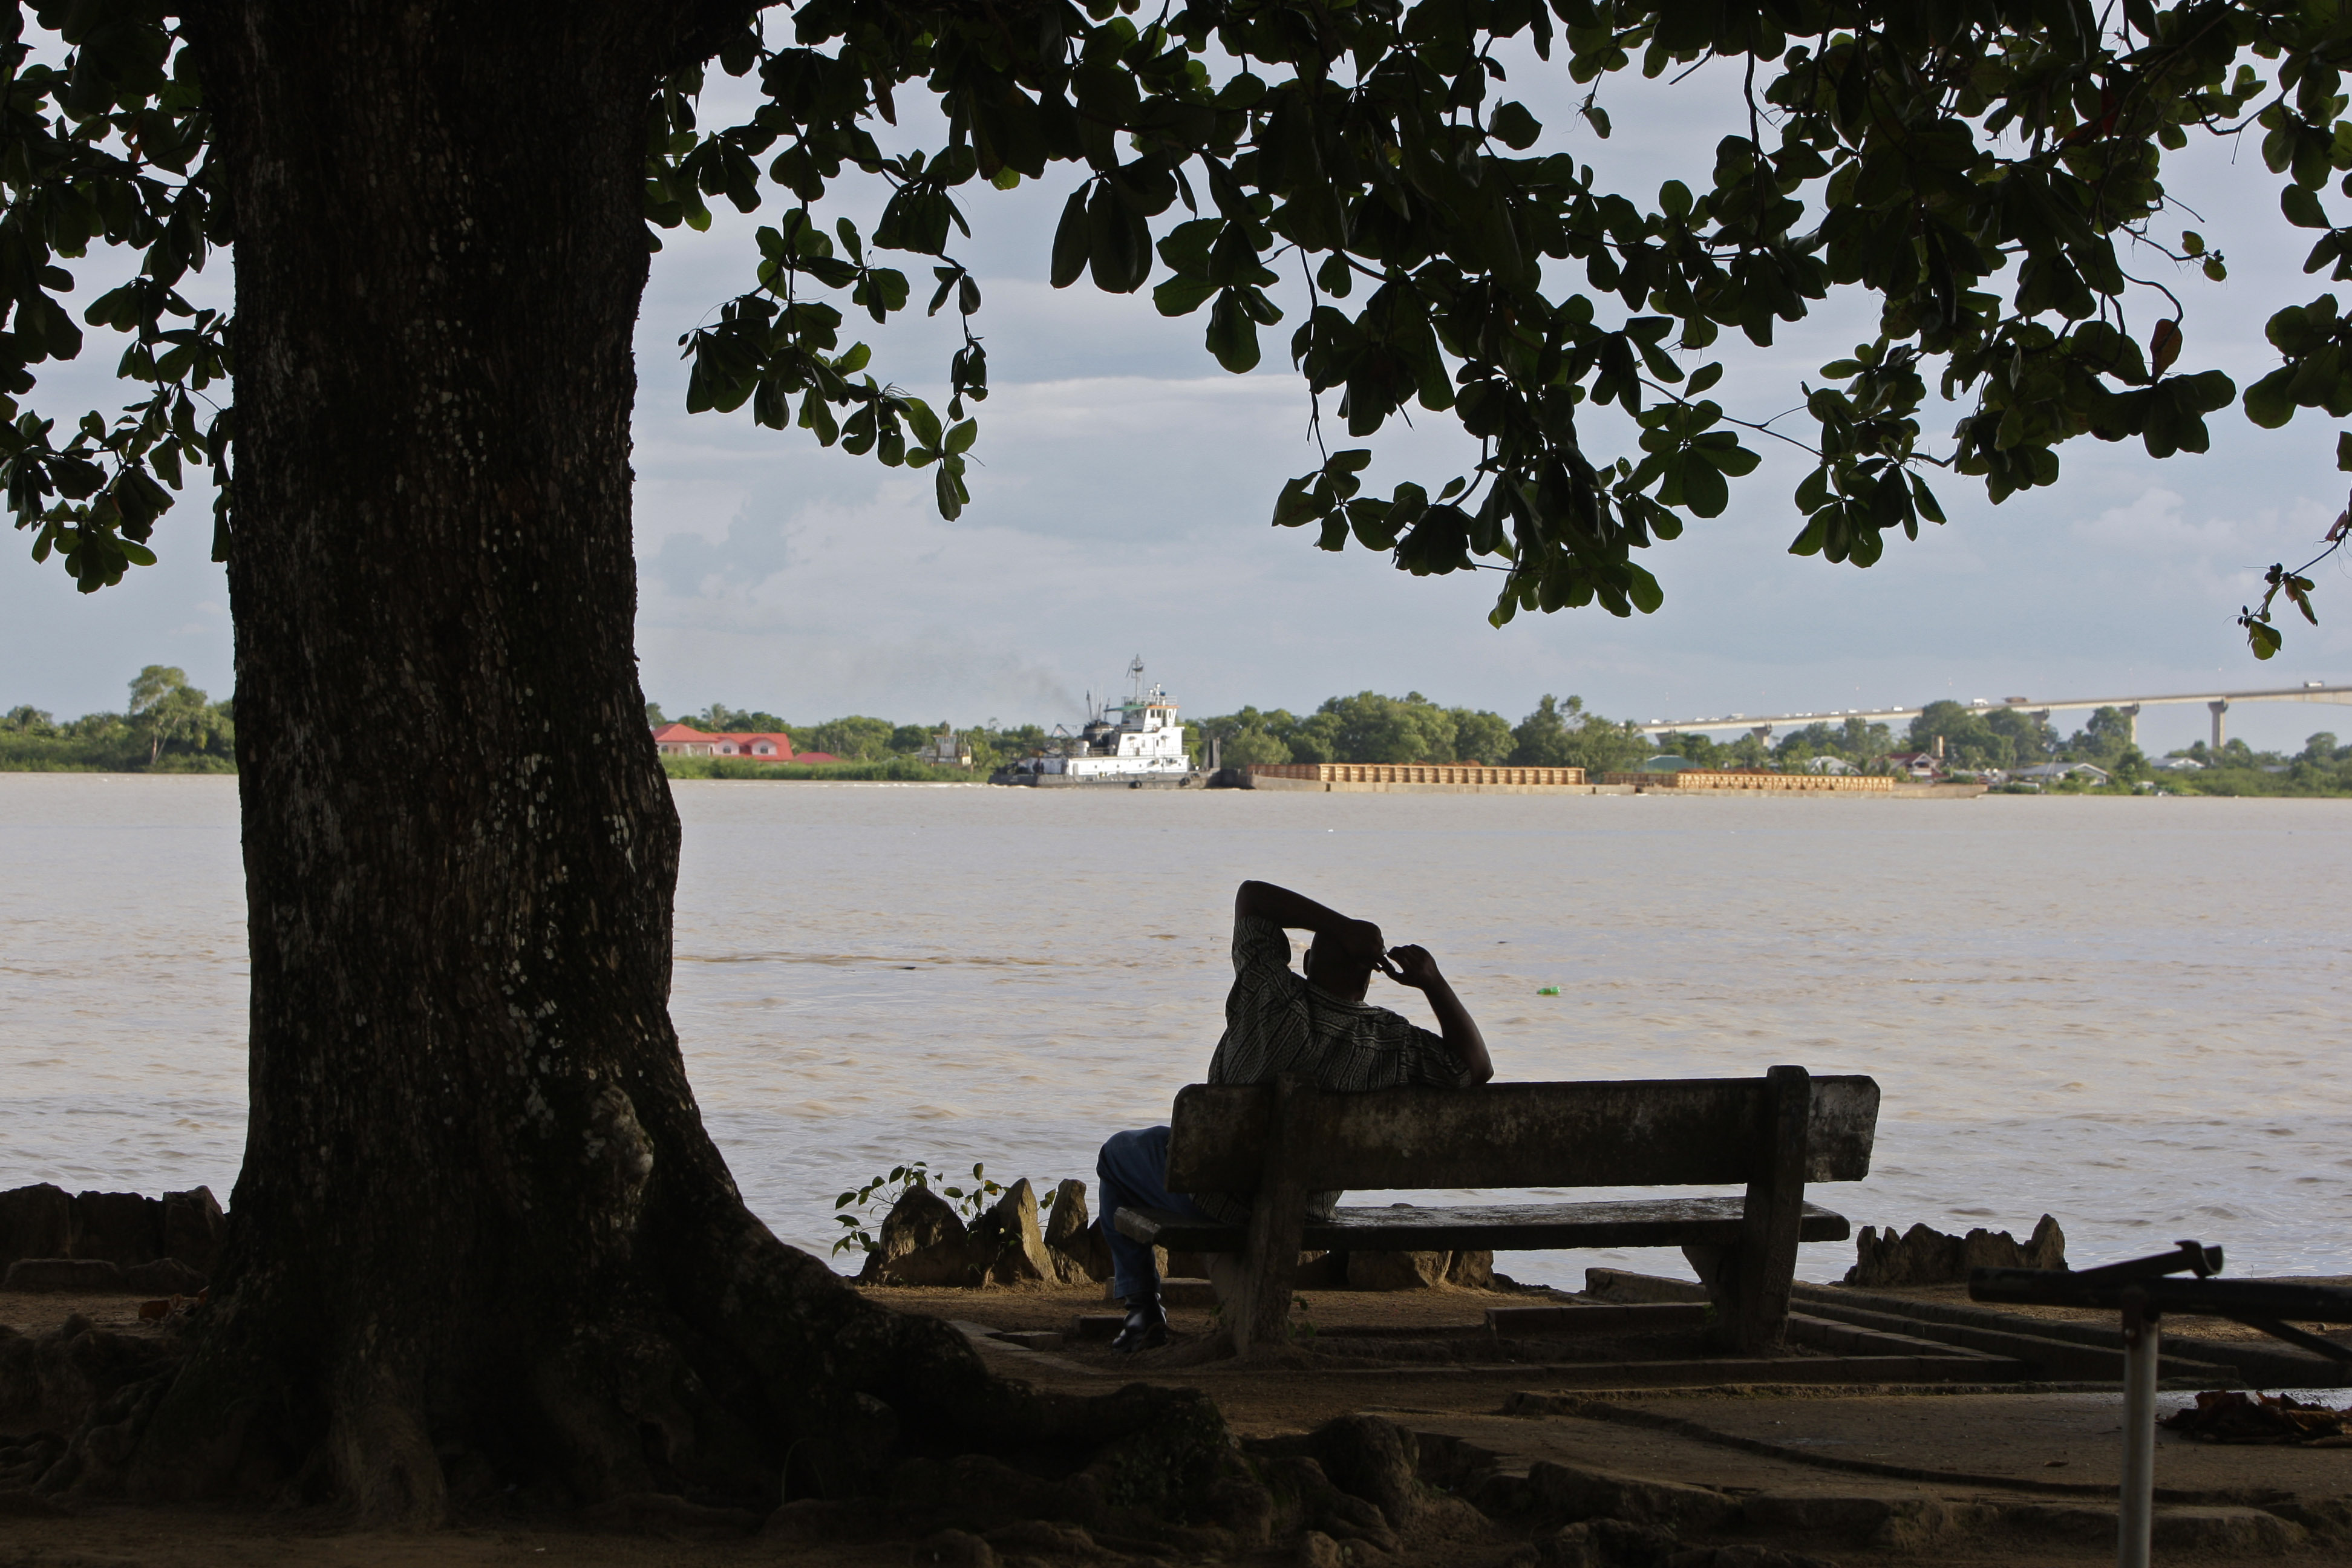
<point x="1133" y="1169"/>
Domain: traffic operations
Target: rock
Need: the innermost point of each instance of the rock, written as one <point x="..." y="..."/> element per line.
<point x="954" y="1262"/>
<point x="1396" y="1270"/>
<point x="1472" y="1270"/>
<point x="85" y="1276"/>
<point x="1372" y="1460"/>
<point x="1321" y="1271"/>
<point x="1317" y="1550"/>
<point x="193" y="1227"/>
<point x="1243" y="1505"/>
<point x="1043" y="1538"/>
<point x="164" y="1277"/>
<point x="1922" y="1256"/>
<point x="919" y="1221"/>
<point x="1073" y="1241"/>
<point x="954" y="1548"/>
<point x="1009" y="1242"/>
<point x="1743" y="1557"/>
<point x="1982" y="1249"/>
<point x="124" y="1228"/>
<point x="2047" y="1246"/>
<point x="1620" y="1543"/>
<point x="1569" y="1546"/>
<point x="811" y="1520"/>
<point x="35" y="1222"/>
<point x="1579" y="1492"/>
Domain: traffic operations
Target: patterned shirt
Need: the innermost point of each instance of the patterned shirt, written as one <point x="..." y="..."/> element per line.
<point x="1277" y="1022"/>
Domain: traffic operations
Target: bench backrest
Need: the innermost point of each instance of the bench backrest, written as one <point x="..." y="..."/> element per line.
<point x="1636" y="1132"/>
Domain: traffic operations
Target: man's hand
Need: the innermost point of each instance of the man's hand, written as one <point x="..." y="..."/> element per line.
<point x="1411" y="967"/>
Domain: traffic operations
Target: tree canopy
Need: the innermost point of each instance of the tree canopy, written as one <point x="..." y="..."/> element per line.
<point x="1990" y="170"/>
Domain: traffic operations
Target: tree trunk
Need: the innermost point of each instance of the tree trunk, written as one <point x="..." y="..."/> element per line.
<point x="480" y="1237"/>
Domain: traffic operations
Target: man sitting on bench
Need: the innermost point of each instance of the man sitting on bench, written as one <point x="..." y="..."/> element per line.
<point x="1275" y="1022"/>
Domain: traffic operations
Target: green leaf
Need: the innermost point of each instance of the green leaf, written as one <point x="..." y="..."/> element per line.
<point x="1070" y="240"/>
<point x="2268" y="402"/>
<point x="1703" y="492"/>
<point x="1233" y="336"/>
<point x="923" y="422"/>
<point x="1118" y="242"/>
<point x="1182" y="296"/>
<point x="1515" y="126"/>
<point x="1296" y="504"/>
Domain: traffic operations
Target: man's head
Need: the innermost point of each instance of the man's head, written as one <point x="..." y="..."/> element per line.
<point x="1339" y="963"/>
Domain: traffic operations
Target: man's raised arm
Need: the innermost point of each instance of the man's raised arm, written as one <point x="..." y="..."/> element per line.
<point x="1296" y="911"/>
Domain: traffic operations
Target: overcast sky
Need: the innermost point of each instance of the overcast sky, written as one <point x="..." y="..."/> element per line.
<point x="1123" y="485"/>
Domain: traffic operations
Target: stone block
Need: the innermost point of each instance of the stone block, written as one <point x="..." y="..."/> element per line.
<point x="82" y="1276"/>
<point x="164" y="1277"/>
<point x="1471" y="1270"/>
<point x="1577" y="1492"/>
<point x="1072" y="1240"/>
<point x="35" y="1222"/>
<point x="193" y="1227"/>
<point x="1396" y="1270"/>
<point x="124" y="1228"/>
<point x="1923" y="1255"/>
<point x="1011" y="1243"/>
<point x="1857" y="1516"/>
<point x="922" y="1242"/>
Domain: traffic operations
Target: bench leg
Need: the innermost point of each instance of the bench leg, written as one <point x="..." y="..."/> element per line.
<point x="1259" y="1312"/>
<point x="1752" y="1283"/>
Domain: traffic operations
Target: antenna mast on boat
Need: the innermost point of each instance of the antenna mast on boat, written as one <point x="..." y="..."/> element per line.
<point x="1135" y="680"/>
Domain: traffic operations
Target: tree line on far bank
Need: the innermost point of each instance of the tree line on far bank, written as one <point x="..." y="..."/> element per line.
<point x="1562" y="733"/>
<point x="1980" y="740"/>
<point x="169" y="726"/>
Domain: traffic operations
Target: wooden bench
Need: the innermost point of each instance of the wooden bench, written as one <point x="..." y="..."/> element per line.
<point x="1272" y="1145"/>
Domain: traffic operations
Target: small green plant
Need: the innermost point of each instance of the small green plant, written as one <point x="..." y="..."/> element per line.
<point x="1304" y="1329"/>
<point x="853" y="1209"/>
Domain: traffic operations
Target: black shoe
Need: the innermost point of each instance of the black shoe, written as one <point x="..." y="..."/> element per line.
<point x="1146" y="1327"/>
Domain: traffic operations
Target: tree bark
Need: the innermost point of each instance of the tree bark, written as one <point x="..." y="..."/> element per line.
<point x="481" y="1238"/>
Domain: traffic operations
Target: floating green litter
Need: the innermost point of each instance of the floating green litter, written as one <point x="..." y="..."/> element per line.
<point x="1547" y="990"/>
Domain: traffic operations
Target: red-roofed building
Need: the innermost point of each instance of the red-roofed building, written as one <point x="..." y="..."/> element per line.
<point x="685" y="741"/>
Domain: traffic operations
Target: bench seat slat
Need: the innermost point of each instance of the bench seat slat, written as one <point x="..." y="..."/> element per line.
<point x="1514" y="1228"/>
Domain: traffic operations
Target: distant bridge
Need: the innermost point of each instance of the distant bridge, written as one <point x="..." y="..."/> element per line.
<point x="1762" y="725"/>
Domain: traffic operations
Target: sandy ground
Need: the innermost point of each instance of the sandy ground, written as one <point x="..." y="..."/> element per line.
<point x="2040" y="1448"/>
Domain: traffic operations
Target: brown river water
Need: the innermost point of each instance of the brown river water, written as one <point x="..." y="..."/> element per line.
<point x="2129" y="1012"/>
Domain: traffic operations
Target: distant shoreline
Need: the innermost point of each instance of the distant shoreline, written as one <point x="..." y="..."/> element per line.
<point x="704" y="770"/>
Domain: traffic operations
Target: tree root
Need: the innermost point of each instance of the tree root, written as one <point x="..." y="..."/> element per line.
<point x="762" y="1381"/>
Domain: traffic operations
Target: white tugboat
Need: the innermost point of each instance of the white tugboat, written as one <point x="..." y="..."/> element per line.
<point x="1137" y="744"/>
